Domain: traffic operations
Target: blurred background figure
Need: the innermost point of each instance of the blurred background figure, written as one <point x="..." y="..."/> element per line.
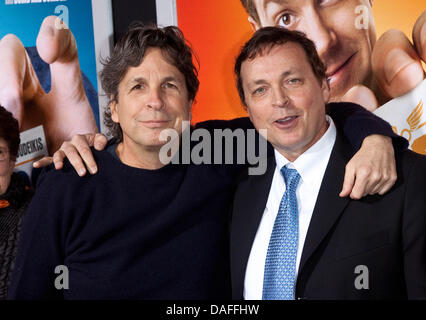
<point x="15" y="196"/>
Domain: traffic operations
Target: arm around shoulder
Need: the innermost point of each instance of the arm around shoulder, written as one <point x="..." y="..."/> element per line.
<point x="357" y="123"/>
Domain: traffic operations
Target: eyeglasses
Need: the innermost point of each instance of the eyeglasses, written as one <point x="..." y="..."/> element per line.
<point x="4" y="153"/>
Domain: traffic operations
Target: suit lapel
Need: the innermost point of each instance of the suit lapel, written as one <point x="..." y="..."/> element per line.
<point x="329" y="206"/>
<point x="248" y="211"/>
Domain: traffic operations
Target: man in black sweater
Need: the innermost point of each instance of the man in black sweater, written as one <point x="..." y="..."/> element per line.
<point x="142" y="228"/>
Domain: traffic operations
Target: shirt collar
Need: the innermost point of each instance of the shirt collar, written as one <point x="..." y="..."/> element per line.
<point x="313" y="159"/>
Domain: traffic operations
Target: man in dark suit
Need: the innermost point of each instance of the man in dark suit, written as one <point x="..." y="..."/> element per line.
<point x="292" y="236"/>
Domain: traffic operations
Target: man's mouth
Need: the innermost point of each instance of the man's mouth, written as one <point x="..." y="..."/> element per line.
<point x="154" y="123"/>
<point x="286" y="122"/>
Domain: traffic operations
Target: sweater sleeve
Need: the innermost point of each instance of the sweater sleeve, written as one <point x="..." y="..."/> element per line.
<point x="357" y="123"/>
<point x="40" y="244"/>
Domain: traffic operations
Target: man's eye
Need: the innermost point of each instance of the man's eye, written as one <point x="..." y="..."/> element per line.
<point x="137" y="87"/>
<point x="169" y="85"/>
<point x="294" y="81"/>
<point x="259" y="90"/>
<point x="285" y="20"/>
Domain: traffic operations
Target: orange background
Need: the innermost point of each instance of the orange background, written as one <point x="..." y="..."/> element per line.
<point x="217" y="29"/>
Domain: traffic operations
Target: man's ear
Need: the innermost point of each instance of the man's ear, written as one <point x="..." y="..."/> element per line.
<point x="325" y="87"/>
<point x="114" y="113"/>
<point x="244" y="103"/>
<point x="191" y="102"/>
<point x="247" y="110"/>
<point x="254" y="25"/>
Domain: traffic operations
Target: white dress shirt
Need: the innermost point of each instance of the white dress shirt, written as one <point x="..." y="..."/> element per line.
<point x="311" y="167"/>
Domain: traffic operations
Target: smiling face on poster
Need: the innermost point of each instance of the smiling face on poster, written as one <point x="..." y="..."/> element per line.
<point x="343" y="38"/>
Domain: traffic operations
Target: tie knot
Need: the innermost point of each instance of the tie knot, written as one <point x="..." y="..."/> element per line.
<point x="291" y="178"/>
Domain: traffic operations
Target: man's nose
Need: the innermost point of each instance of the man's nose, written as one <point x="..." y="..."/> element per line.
<point x="279" y="97"/>
<point x="322" y="34"/>
<point x="155" y="99"/>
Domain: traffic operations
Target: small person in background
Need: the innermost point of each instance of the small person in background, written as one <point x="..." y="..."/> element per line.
<point x="15" y="195"/>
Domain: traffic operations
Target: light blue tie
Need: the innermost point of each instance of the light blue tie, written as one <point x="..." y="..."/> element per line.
<point x="280" y="266"/>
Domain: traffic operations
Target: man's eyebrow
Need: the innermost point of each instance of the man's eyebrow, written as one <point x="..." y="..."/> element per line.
<point x="142" y="80"/>
<point x="136" y="80"/>
<point x="170" y="78"/>
<point x="259" y="81"/>
<point x="283" y="75"/>
<point x="288" y="73"/>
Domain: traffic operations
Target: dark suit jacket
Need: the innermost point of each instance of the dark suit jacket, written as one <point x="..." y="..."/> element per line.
<point x="384" y="233"/>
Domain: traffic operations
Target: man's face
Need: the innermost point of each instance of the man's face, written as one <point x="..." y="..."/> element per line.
<point x="152" y="97"/>
<point x="344" y="48"/>
<point x="284" y="96"/>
